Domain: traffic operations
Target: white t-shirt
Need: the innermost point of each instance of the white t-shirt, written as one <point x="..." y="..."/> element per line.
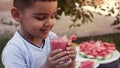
<point x="19" y="53"/>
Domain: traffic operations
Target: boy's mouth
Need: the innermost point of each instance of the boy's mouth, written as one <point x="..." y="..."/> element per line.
<point x="45" y="30"/>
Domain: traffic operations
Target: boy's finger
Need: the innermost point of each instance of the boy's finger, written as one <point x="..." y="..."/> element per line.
<point x="54" y="52"/>
<point x="64" y="65"/>
<point x="71" y="52"/>
<point x="69" y="44"/>
<point x="70" y="48"/>
<point x="61" y="60"/>
<point x="59" y="55"/>
<point x="73" y="56"/>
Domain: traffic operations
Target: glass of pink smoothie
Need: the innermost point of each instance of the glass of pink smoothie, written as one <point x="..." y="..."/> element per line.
<point x="58" y="43"/>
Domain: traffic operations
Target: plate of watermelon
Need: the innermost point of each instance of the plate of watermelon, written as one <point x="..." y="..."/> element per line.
<point x="102" y="52"/>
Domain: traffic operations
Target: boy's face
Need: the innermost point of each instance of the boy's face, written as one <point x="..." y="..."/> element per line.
<point x="38" y="20"/>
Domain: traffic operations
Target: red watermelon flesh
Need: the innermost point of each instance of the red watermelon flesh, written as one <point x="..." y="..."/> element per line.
<point x="87" y="64"/>
<point x="57" y="43"/>
<point x="98" y="48"/>
<point x="73" y="38"/>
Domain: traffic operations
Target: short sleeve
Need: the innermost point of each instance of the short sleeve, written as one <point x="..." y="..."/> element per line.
<point x="13" y="58"/>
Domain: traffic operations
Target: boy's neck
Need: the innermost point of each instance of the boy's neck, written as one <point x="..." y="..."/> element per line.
<point x="32" y="40"/>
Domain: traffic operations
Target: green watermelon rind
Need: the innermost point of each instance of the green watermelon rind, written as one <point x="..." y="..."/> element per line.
<point x="109" y="56"/>
<point x="99" y="58"/>
<point x="86" y="56"/>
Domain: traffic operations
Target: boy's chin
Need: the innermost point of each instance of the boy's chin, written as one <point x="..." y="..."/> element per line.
<point x="44" y="37"/>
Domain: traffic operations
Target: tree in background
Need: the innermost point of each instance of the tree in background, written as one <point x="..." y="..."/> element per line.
<point x="74" y="8"/>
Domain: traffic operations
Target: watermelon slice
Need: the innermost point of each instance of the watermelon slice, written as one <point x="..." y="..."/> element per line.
<point x="87" y="64"/>
<point x="73" y="38"/>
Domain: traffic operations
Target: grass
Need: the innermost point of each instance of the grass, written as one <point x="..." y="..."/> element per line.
<point x="114" y="38"/>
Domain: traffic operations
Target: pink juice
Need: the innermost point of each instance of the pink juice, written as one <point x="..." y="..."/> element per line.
<point x="57" y="43"/>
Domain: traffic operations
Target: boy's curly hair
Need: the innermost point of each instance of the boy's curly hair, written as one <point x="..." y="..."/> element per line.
<point x="23" y="4"/>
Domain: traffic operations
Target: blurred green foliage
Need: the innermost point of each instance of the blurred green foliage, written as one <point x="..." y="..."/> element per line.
<point x="3" y="40"/>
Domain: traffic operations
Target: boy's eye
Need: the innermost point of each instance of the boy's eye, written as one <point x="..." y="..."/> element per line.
<point x="54" y="15"/>
<point x="40" y="18"/>
<point x="43" y="17"/>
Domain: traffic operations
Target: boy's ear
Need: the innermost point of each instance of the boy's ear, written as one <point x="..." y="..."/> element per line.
<point x="15" y="14"/>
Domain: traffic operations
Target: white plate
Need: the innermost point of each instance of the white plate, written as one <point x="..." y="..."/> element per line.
<point x="116" y="56"/>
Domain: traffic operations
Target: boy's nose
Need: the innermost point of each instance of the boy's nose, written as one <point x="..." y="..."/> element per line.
<point x="48" y="22"/>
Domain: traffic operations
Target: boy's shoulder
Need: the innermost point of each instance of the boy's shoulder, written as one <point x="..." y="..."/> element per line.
<point x="15" y="41"/>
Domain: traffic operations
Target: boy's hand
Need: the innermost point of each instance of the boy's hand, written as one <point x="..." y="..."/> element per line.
<point x="72" y="54"/>
<point x="71" y="51"/>
<point x="55" y="58"/>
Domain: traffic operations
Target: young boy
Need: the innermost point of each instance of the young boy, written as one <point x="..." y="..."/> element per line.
<point x="30" y="46"/>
